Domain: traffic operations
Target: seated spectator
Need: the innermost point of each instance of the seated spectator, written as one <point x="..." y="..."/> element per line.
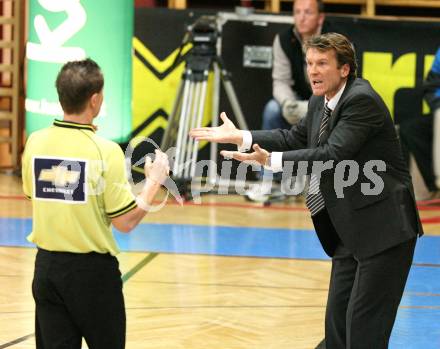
<point x="291" y="88"/>
<point x="417" y="133"/>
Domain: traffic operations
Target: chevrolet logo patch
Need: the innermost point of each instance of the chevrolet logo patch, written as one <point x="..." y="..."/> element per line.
<point x="59" y="176"/>
<point x="60" y="179"/>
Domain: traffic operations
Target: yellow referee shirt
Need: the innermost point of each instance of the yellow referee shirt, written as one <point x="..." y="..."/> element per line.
<point x="77" y="181"/>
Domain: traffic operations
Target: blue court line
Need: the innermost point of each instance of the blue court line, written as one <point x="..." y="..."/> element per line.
<point x="224" y="241"/>
<point x="427" y="281"/>
<point x="415" y="328"/>
<point x="217" y="240"/>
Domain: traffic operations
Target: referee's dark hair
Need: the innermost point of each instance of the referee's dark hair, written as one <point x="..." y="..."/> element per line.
<point x="76" y="82"/>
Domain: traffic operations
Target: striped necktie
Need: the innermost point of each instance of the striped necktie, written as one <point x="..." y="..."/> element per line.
<point x="314" y="199"/>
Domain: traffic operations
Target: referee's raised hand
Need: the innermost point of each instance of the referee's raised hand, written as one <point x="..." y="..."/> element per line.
<point x="159" y="169"/>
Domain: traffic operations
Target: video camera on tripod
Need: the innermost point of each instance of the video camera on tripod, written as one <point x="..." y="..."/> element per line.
<point x="189" y="105"/>
<point x="204" y="33"/>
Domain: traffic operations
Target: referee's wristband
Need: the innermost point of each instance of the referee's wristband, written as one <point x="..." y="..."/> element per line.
<point x="142" y="204"/>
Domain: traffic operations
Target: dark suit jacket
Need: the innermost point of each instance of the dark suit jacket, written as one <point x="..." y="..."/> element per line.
<point x="360" y="129"/>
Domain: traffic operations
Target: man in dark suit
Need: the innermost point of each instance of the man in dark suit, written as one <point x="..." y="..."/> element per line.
<point x="362" y="203"/>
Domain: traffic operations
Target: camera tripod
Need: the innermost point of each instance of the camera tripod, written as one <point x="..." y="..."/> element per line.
<point x="188" y="111"/>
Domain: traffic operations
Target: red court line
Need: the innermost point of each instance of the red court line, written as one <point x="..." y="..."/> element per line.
<point x="431" y="220"/>
<point x="235" y="204"/>
<point x="428" y="208"/>
<point x="190" y="203"/>
<point x="420" y="206"/>
<point x="272" y="207"/>
<point x="13" y="197"/>
<point x="435" y="202"/>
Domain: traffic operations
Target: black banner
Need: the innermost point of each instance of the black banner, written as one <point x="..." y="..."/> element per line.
<point x="394" y="55"/>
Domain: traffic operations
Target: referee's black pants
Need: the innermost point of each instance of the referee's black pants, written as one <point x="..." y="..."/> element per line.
<point x="78" y="296"/>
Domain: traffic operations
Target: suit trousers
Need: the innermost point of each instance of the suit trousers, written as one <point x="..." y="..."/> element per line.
<point x="78" y="296"/>
<point x="364" y="295"/>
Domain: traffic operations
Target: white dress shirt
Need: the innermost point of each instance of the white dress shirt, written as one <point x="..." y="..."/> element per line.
<point x="276" y="160"/>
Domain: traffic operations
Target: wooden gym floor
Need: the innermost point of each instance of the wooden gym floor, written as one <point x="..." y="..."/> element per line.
<point x="225" y="274"/>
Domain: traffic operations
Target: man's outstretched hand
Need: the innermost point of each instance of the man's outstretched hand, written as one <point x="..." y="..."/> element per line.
<point x="259" y="156"/>
<point x="225" y="133"/>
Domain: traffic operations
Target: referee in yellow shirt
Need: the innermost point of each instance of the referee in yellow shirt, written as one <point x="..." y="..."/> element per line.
<point x="78" y="186"/>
